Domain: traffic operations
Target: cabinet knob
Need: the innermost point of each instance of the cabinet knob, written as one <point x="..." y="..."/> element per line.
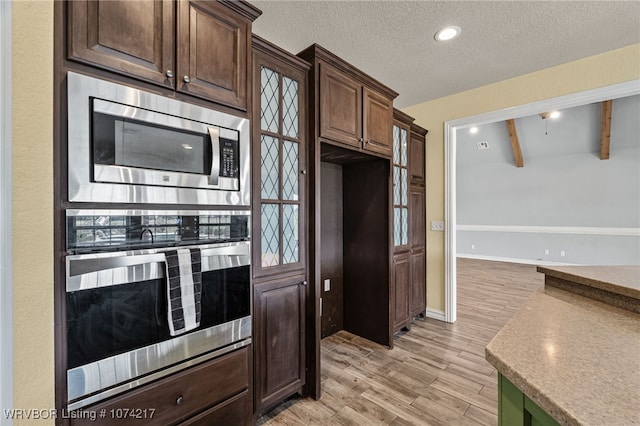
<point x="361" y="140"/>
<point x="186" y="79"/>
<point x="169" y="73"/>
<point x="366" y="142"/>
<point x="304" y="172"/>
<point x="304" y="282"/>
<point x="179" y="400"/>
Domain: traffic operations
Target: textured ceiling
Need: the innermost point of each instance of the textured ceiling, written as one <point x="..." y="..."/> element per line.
<point x="393" y="40"/>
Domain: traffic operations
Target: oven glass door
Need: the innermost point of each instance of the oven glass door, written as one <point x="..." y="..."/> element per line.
<point x="117" y="309"/>
<point x="107" y="321"/>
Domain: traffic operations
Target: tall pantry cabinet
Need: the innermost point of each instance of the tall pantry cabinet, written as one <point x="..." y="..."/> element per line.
<point x="279" y="222"/>
<point x="409" y="221"/>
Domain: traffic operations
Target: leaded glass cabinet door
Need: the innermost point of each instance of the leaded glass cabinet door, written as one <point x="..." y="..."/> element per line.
<point x="400" y="194"/>
<point x="279" y="169"/>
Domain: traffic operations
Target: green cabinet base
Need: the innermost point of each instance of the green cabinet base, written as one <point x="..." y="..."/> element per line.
<point x="516" y="409"/>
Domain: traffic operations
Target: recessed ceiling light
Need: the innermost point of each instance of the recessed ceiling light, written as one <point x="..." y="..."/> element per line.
<point x="447" y="33"/>
<point x="473" y="130"/>
<point x="550" y="114"/>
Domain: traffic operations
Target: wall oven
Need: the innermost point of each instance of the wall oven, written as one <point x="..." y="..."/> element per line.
<point x="129" y="146"/>
<point x="118" y="298"/>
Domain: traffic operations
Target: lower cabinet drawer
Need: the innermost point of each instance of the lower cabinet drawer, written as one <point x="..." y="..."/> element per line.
<point x="235" y="411"/>
<point x="175" y="398"/>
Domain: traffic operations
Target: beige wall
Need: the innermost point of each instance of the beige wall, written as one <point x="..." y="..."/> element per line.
<point x="612" y="67"/>
<point x="32" y="143"/>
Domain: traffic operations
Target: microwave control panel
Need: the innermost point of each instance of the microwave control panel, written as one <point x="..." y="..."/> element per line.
<point x="229" y="161"/>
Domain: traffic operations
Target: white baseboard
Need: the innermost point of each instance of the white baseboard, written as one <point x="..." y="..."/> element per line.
<point x="435" y="314"/>
<point x="513" y="260"/>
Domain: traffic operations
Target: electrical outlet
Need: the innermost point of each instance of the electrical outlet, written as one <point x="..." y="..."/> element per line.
<point x="473" y="246"/>
<point x="482" y="145"/>
<point x="437" y="225"/>
<point x="546" y="252"/>
<point x="562" y="253"/>
<point x="327" y="285"/>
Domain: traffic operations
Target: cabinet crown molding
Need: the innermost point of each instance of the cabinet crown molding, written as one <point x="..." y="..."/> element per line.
<point x="315" y="51"/>
<point x="402" y="117"/>
<point x="261" y="45"/>
<point x="244" y="8"/>
<point x="419" y="129"/>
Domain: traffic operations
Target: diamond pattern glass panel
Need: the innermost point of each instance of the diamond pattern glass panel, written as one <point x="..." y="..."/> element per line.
<point x="403" y="145"/>
<point x="396" y="185"/>
<point x="269" y="163"/>
<point x="403" y="184"/>
<point x="270" y="224"/>
<point x="290" y="107"/>
<point x="289" y="170"/>
<point x="290" y="252"/>
<point x="405" y="226"/>
<point x="396" y="144"/>
<point x="397" y="239"/>
<point x="269" y="102"/>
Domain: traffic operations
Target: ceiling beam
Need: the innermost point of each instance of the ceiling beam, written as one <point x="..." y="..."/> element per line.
<point x="515" y="144"/>
<point x="605" y="129"/>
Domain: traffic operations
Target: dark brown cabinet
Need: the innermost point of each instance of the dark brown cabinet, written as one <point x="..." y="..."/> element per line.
<point x="351" y="112"/>
<point x="417" y="252"/>
<point x="279" y="167"/>
<point x="279" y="315"/>
<point x="213" y="50"/>
<point x="217" y="389"/>
<point x="129" y="37"/>
<point x="341" y="107"/>
<point x="417" y="155"/>
<point x="197" y="47"/>
<point x="409" y="221"/>
<point x="376" y="122"/>
<point x="401" y="290"/>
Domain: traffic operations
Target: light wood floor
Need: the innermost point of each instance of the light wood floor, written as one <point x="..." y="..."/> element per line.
<point x="435" y="375"/>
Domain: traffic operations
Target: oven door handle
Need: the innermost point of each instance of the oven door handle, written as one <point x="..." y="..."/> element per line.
<point x="96" y="270"/>
<point x="214" y="134"/>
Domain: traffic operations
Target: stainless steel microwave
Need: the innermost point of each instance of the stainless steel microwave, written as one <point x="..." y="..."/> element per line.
<point x="130" y="146"/>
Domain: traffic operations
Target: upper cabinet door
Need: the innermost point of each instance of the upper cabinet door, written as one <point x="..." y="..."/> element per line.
<point x="377" y="122"/>
<point x="134" y="38"/>
<point x="340" y="107"/>
<point x="417" y="158"/>
<point x="213" y="47"/>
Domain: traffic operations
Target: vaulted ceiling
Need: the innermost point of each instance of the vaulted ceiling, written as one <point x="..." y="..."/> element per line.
<point x="393" y="41"/>
<point x="577" y="132"/>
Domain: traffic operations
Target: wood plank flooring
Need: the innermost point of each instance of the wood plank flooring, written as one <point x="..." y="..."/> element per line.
<point x="435" y="375"/>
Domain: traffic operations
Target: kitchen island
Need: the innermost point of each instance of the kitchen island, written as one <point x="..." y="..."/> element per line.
<point x="571" y="356"/>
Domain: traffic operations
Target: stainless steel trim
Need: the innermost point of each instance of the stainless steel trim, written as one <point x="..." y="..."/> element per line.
<point x="158" y="359"/>
<point x="95" y="270"/>
<point x="82" y="88"/>
<point x="137" y="176"/>
<point x="145" y="212"/>
<point x="214" y="134"/>
<point x="120" y="110"/>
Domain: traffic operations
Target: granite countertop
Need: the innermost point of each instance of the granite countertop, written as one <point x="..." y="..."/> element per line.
<point x="623" y="280"/>
<point x="578" y="359"/>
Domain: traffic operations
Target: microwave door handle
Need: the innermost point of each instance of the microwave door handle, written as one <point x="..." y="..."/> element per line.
<point x="214" y="134"/>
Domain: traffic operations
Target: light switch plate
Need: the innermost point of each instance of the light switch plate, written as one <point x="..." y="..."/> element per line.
<point x="437" y="225"/>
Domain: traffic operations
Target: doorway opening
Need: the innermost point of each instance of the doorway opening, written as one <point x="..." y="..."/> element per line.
<point x="450" y="132"/>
